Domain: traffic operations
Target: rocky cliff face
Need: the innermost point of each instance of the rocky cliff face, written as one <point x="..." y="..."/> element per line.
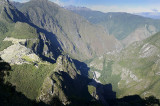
<point x="66" y="83"/>
<point x="53" y="85"/>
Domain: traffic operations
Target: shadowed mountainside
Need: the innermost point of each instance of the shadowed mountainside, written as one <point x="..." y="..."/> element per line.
<point x="9" y="96"/>
<point x="40" y="82"/>
<point x="14" y="24"/>
<point x="76" y="35"/>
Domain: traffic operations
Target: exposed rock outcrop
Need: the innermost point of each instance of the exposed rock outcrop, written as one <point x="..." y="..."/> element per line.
<point x="54" y="85"/>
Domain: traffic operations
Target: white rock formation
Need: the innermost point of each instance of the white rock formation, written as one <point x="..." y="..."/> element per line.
<point x="147" y="50"/>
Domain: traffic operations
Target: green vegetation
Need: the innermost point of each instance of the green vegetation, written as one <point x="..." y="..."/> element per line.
<point x="91" y="89"/>
<point x="8" y="95"/>
<point x="3" y="28"/>
<point x="28" y="79"/>
<point x="135" y="70"/>
<point x="9" y="27"/>
<point x="107" y="77"/>
<point x="32" y="43"/>
<point x="4" y="45"/>
<point x="154" y="40"/>
<point x="18" y="30"/>
<point x="134" y="74"/>
<point x="27" y="58"/>
<point x="23" y="31"/>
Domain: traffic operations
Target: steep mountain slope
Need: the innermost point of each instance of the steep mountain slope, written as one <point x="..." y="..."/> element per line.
<point x="135" y="70"/>
<point x="24" y="46"/>
<point x="124" y="26"/>
<point x="28" y="79"/>
<point x="37" y="80"/>
<point x="76" y="35"/>
<point x="14" y="24"/>
<point x="10" y="13"/>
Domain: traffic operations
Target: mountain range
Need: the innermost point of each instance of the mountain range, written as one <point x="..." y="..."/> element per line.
<point x="75" y="35"/>
<point x="154" y="15"/>
<point x="126" y="27"/>
<point x="51" y="55"/>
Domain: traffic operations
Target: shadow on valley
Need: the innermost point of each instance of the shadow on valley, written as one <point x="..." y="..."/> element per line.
<point x="8" y="94"/>
<point x="10" y="97"/>
<point x="53" y="45"/>
<point x="92" y="90"/>
<point x="77" y="91"/>
<point x="104" y="95"/>
<point x="135" y="100"/>
<point x="82" y="67"/>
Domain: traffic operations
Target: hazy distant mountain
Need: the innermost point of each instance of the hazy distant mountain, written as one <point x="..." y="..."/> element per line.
<point x="124" y="26"/>
<point x="154" y="15"/>
<point x="71" y="7"/>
